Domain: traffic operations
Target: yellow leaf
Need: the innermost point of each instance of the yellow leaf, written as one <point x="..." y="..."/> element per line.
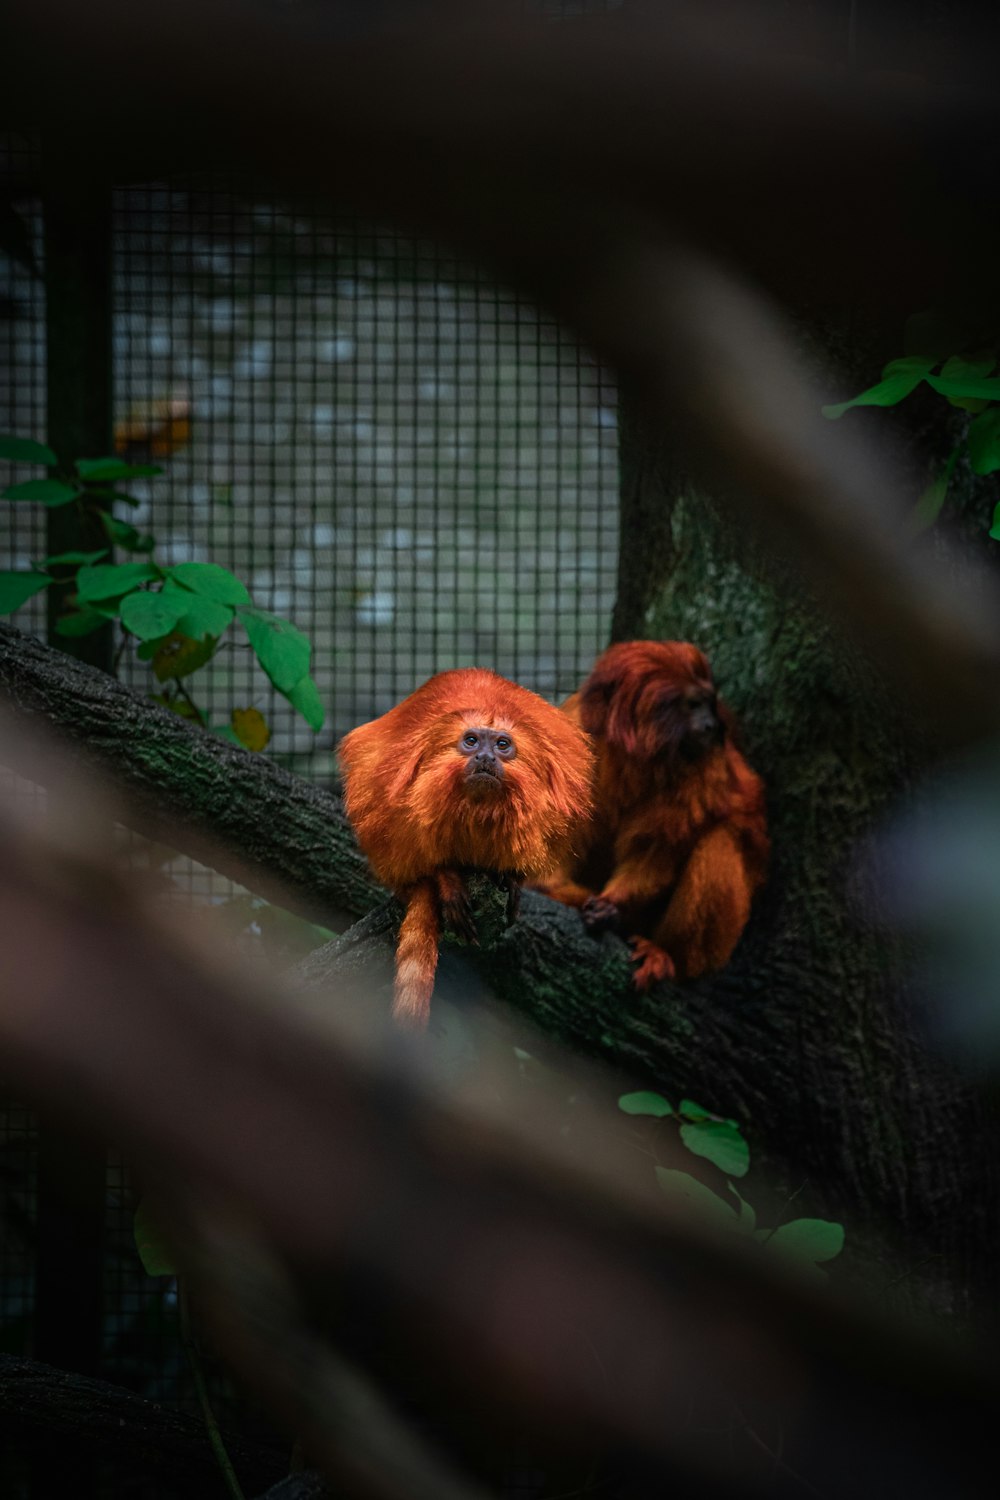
<point x="178" y="655"/>
<point x="250" y="728"/>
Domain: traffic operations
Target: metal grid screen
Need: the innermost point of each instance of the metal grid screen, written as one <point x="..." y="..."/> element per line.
<point x="411" y="464"/>
<point x="416" y="468"/>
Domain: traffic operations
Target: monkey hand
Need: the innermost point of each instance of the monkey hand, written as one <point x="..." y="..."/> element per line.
<point x="599" y="914"/>
<point x="653" y="963"/>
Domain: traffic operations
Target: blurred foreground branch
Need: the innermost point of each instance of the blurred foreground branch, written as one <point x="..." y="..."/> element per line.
<point x="308" y="1172"/>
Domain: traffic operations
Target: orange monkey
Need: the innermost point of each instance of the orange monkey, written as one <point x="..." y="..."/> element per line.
<point x="677" y="843"/>
<point x="469" y="772"/>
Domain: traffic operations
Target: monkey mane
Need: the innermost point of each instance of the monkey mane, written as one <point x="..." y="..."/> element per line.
<point x="632" y="685"/>
<point x="405" y="788"/>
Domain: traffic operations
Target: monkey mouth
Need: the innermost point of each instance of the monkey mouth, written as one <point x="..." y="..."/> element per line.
<point x="484" y="775"/>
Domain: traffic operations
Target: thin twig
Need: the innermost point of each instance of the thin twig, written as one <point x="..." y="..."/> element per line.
<point x="201" y="1388"/>
<point x="773" y="1454"/>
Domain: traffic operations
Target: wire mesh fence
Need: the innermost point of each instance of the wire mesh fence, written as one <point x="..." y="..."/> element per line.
<point x="410" y="463"/>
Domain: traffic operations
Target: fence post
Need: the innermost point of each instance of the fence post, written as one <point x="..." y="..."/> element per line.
<point x="71" y="1174"/>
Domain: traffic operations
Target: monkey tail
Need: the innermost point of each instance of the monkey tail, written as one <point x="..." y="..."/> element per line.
<point x="417" y="957"/>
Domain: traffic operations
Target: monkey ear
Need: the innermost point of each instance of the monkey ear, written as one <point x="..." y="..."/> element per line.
<point x="595" y="702"/>
<point x="607" y="708"/>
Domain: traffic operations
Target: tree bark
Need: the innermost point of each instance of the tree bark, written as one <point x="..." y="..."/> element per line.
<point x="41" y="1406"/>
<point x="813" y="1036"/>
<point x="240" y="811"/>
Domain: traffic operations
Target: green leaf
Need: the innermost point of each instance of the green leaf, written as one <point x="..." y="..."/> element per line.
<point x="692" y="1111"/>
<point x="26" y="451"/>
<point x="225" y="732"/>
<point x="126" y="536"/>
<point x="211" y="582"/>
<point x="92" y="469"/>
<point x="282" y="650"/>
<point x="286" y="935"/>
<point x="17" y="588"/>
<point x="234" y="916"/>
<point x="809" y="1239"/>
<point x="988" y="388"/>
<point x="69" y="558"/>
<point x="306" y="699"/>
<point x="928" y="507"/>
<point x="151" y="1242"/>
<point x="720" y="1143"/>
<point x="181" y="707"/>
<point x="202" y="617"/>
<point x="111" y="580"/>
<point x="973" y="367"/>
<point x="682" y="1185"/>
<point x="150" y="615"/>
<point x="50" y="492"/>
<point x="645" y="1103"/>
<point x="984" y="441"/>
<point x="94" y="492"/>
<point x="899" y="378"/>
<point x="81" y="622"/>
<point x="995" y="528"/>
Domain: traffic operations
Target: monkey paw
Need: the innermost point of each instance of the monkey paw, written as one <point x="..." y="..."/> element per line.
<point x="654" y="963"/>
<point x="456" y="912"/>
<point x="599" y="914"/>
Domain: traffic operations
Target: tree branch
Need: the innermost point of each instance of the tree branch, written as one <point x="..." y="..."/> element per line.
<point x="240" y="812"/>
<point x="40" y="1405"/>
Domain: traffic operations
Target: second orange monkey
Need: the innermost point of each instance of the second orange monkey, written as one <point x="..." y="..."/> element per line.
<point x="677" y="843"/>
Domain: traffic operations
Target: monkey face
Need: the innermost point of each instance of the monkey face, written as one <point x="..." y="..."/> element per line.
<point x="698" y="723"/>
<point x="654" y="701"/>
<point x="487" y="754"/>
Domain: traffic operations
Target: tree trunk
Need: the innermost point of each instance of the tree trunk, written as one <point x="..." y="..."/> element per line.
<point x="812" y="1037"/>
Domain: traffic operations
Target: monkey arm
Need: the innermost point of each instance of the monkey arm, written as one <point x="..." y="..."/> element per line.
<point x="561" y="888"/>
<point x="709" y="907"/>
<point x="639" y="882"/>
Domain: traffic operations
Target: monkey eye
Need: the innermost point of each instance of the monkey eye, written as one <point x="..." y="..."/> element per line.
<point x="470" y="741"/>
<point x="503" y="743"/>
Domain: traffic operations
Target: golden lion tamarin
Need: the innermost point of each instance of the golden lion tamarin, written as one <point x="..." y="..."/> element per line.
<point x="469" y="772"/>
<point x="677" y="841"/>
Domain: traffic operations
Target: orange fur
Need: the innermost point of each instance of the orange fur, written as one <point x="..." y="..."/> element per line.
<point x="421" y="823"/>
<point x="677" y="843"/>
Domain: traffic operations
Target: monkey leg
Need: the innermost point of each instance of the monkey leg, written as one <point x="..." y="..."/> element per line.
<point x="561" y="888"/>
<point x="709" y="907"/>
<point x="453" y="904"/>
<point x="636" y="889"/>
